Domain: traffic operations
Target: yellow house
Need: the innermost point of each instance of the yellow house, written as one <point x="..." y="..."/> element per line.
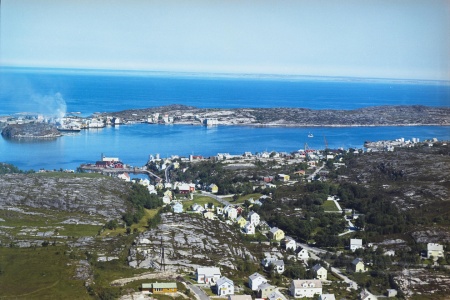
<point x="276" y="234"/>
<point x="159" y="288"/>
<point x="358" y="265"/>
<point x="241" y="221"/>
<point x="284" y="177"/>
<point x="213" y="188"/>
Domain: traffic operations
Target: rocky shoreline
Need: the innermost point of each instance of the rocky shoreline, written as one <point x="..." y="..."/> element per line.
<point x="30" y="131"/>
<point x="290" y="117"/>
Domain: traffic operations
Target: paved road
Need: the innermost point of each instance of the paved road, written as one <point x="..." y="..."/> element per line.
<point x="199" y="293"/>
<point x="224" y="202"/>
<point x="311" y="177"/>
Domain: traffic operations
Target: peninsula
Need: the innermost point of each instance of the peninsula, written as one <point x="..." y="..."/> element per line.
<point x="294" y="117"/>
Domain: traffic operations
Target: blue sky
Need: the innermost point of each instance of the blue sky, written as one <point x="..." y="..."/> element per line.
<point x="384" y="38"/>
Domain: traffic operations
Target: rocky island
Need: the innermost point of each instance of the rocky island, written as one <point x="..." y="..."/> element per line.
<point x="294" y="117"/>
<point x="30" y="131"/>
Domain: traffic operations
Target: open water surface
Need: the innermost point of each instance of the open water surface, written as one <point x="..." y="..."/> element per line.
<point x="38" y="91"/>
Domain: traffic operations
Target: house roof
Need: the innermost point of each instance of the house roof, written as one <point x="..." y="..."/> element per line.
<point x="223" y="280"/>
<point x="208" y="271"/>
<point x="274" y="229"/>
<point x="299" y="283"/>
<point x="435" y="247"/>
<point x="239" y="297"/>
<point x="317" y="267"/>
<point x="256" y="275"/>
<point x="327" y="297"/>
<point x="276" y="296"/>
<point x="165" y="285"/>
<point x="278" y="262"/>
<point x="252" y="213"/>
<point x="146" y="285"/>
<point x="265" y="285"/>
<point x="356" y="242"/>
<point x="357" y="260"/>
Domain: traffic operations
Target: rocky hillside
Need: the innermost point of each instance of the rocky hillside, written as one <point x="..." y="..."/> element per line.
<point x="89" y="194"/>
<point x="189" y="241"/>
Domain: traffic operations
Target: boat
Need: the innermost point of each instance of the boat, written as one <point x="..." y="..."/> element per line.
<point x="310" y="135"/>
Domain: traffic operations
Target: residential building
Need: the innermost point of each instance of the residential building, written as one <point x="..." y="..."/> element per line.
<point x="255" y="280"/>
<point x="276" y="295"/>
<point x="435" y="250"/>
<point x="276" y="234"/>
<point x="391" y="292"/>
<point x="213" y="188"/>
<point x="320" y="272"/>
<point x="263" y="226"/>
<point x="278" y="266"/>
<point x="224" y="286"/>
<point x="265" y="289"/>
<point x="178" y="208"/>
<point x="284" y="177"/>
<point x="288" y="244"/>
<point x="355" y="244"/>
<point x="208" y="274"/>
<point x="302" y="253"/>
<point x="365" y="295"/>
<point x="305" y="288"/>
<point x="241" y="221"/>
<point x="249" y="228"/>
<point x="358" y="265"/>
<point x="253" y="217"/>
<point x="209" y="215"/>
<point x="197" y="208"/>
<point x="159" y="288"/>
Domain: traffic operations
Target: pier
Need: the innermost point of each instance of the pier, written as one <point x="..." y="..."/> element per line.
<point x="108" y="171"/>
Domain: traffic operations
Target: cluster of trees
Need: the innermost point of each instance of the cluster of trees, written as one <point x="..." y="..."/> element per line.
<point x="139" y="199"/>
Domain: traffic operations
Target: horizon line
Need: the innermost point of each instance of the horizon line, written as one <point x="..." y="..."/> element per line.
<point x="250" y="75"/>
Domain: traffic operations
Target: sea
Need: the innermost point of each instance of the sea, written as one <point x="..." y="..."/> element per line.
<point x="83" y="92"/>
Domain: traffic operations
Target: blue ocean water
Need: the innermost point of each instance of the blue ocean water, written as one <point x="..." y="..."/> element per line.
<point x="34" y="91"/>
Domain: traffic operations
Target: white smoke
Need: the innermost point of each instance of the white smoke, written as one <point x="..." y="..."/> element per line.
<point x="51" y="106"/>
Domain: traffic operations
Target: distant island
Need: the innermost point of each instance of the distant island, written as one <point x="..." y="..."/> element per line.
<point x="33" y="127"/>
<point x="293" y="117"/>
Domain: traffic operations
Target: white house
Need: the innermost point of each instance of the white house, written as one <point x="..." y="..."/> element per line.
<point x="302" y="253"/>
<point x="253" y="218"/>
<point x="320" y="272"/>
<point x="208" y="274"/>
<point x="435" y="250"/>
<point x="305" y="288"/>
<point x="278" y="266"/>
<point x="231" y="212"/>
<point x="249" y="228"/>
<point x="265" y="289"/>
<point x="288" y="243"/>
<point x="355" y="244"/>
<point x="255" y="280"/>
<point x="124" y="176"/>
<point x="225" y="286"/>
<point x="197" y="208"/>
<point x="178" y="208"/>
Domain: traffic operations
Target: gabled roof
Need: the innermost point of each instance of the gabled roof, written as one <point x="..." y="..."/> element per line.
<point x="276" y="296"/>
<point x="274" y="229"/>
<point x="265" y="285"/>
<point x="357" y="242"/>
<point x="357" y="260"/>
<point x="317" y="267"/>
<point x="298" y="284"/>
<point x="278" y="262"/>
<point x="165" y="285"/>
<point x="255" y="276"/>
<point x="435" y="247"/>
<point x="223" y="280"/>
<point x="208" y="271"/>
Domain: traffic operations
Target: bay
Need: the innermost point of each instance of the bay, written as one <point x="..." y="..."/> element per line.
<point x="43" y="91"/>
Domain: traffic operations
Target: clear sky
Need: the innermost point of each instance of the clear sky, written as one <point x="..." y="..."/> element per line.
<point x="383" y="38"/>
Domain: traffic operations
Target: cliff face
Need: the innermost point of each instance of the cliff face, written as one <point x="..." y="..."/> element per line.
<point x="30" y="131"/>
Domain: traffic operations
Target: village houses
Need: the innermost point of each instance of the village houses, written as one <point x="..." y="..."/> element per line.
<point x="253" y="217"/>
<point x="265" y="289"/>
<point x="355" y="244"/>
<point x="276" y="295"/>
<point x="435" y="250"/>
<point x="288" y="244"/>
<point x="302" y="253"/>
<point x="249" y="228"/>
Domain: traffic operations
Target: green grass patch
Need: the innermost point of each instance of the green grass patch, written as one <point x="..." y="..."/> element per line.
<point x="141" y="226"/>
<point x="329" y="205"/>
<point x="41" y="273"/>
<point x="200" y="200"/>
<point x="255" y="196"/>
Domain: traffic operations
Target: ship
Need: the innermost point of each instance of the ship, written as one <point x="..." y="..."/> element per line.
<point x="310" y="135"/>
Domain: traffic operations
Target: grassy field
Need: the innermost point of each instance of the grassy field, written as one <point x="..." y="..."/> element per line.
<point x="26" y="273"/>
<point x="200" y="200"/>
<point x="329" y="206"/>
<point x="141" y="226"/>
